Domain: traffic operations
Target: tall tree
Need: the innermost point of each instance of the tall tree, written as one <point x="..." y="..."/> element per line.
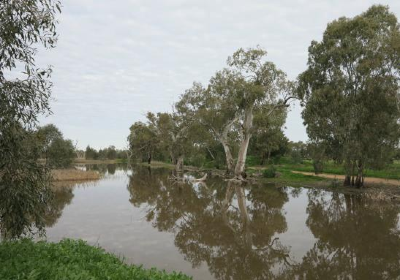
<point x="268" y="135"/>
<point x="249" y="85"/>
<point x="142" y="141"/>
<point x="172" y="132"/>
<point x="351" y="90"/>
<point x="47" y="135"/>
<point x="23" y="182"/>
<point x="61" y="153"/>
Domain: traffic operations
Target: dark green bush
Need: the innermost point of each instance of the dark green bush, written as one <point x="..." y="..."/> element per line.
<point x="270" y="172"/>
<point x="69" y="259"/>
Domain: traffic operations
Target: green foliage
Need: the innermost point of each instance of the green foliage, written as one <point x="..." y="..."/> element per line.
<point x="61" y="153"/>
<point x="249" y="88"/>
<point x="142" y="141"/>
<point x="351" y="90"/>
<point x="58" y="152"/>
<point x="46" y="135"/>
<point x="270" y="172"/>
<point x="23" y="182"/>
<point x="91" y="153"/>
<point x="268" y="138"/>
<point x="110" y="153"/>
<point x="69" y="259"/>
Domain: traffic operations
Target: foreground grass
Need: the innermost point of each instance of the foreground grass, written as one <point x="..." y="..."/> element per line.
<point x="69" y="259"/>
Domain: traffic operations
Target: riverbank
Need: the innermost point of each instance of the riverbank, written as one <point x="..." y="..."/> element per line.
<point x="367" y="180"/>
<point x="59" y="175"/>
<point x="376" y="188"/>
<point x="98" y="161"/>
<point x="69" y="259"/>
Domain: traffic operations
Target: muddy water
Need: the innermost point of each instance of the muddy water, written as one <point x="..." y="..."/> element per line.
<point x="219" y="230"/>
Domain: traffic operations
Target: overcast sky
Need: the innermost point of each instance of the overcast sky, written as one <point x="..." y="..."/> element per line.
<point x="116" y="60"/>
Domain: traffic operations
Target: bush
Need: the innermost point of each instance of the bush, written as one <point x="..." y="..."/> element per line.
<point x="270" y="172"/>
<point x="60" y="153"/>
<point x="69" y="259"/>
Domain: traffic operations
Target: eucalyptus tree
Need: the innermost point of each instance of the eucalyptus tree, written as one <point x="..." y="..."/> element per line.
<point x="46" y="136"/>
<point x="268" y="135"/>
<point x="24" y="25"/>
<point x="173" y="132"/>
<point x="351" y="90"/>
<point x="249" y="85"/>
<point x="61" y="153"/>
<point x="142" y="141"/>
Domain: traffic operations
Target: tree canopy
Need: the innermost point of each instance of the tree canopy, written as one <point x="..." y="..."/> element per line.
<point x="351" y="90"/>
<point x="24" y="25"/>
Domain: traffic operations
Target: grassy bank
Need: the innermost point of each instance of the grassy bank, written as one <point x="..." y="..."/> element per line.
<point x="73" y="175"/>
<point x="391" y="171"/>
<point x="284" y="169"/>
<point x="69" y="259"/>
<point x="284" y="164"/>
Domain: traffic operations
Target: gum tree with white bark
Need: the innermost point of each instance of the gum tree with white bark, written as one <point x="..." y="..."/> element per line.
<point x="226" y="107"/>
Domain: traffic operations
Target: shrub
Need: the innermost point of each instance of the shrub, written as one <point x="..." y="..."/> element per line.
<point x="270" y="172"/>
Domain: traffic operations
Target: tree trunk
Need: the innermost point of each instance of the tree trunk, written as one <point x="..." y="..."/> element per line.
<point x="149" y="158"/>
<point x="179" y="165"/>
<point x="347" y="181"/>
<point x="226" y="203"/>
<point x="247" y="125"/>
<point x="360" y="175"/>
<point x="241" y="198"/>
<point x="262" y="158"/>
<point x="228" y="156"/>
<point x="349" y="173"/>
<point x="171" y="154"/>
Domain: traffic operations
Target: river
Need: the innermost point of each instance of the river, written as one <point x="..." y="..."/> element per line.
<point x="219" y="230"/>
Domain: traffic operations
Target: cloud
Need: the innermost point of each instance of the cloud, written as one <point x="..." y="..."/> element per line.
<point x="116" y="60"/>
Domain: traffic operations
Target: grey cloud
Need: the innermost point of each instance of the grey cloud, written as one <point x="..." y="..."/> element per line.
<point x="116" y="60"/>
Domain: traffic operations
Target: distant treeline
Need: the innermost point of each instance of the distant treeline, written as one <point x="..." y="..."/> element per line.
<point x="110" y="153"/>
<point x="59" y="152"/>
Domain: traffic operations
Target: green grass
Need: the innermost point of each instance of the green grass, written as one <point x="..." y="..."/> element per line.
<point x="69" y="259"/>
<point x="286" y="176"/>
<point x="391" y="171"/>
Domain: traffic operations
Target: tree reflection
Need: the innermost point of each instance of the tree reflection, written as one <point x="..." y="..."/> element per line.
<point x="62" y="196"/>
<point x="58" y="196"/>
<point x="357" y="238"/>
<point x="226" y="226"/>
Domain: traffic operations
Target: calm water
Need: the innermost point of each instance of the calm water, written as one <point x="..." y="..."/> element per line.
<point x="219" y="230"/>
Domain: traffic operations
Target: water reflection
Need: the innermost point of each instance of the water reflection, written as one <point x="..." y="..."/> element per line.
<point x="62" y="196"/>
<point x="234" y="229"/>
<point x="357" y="238"/>
<point x="226" y="226"/>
